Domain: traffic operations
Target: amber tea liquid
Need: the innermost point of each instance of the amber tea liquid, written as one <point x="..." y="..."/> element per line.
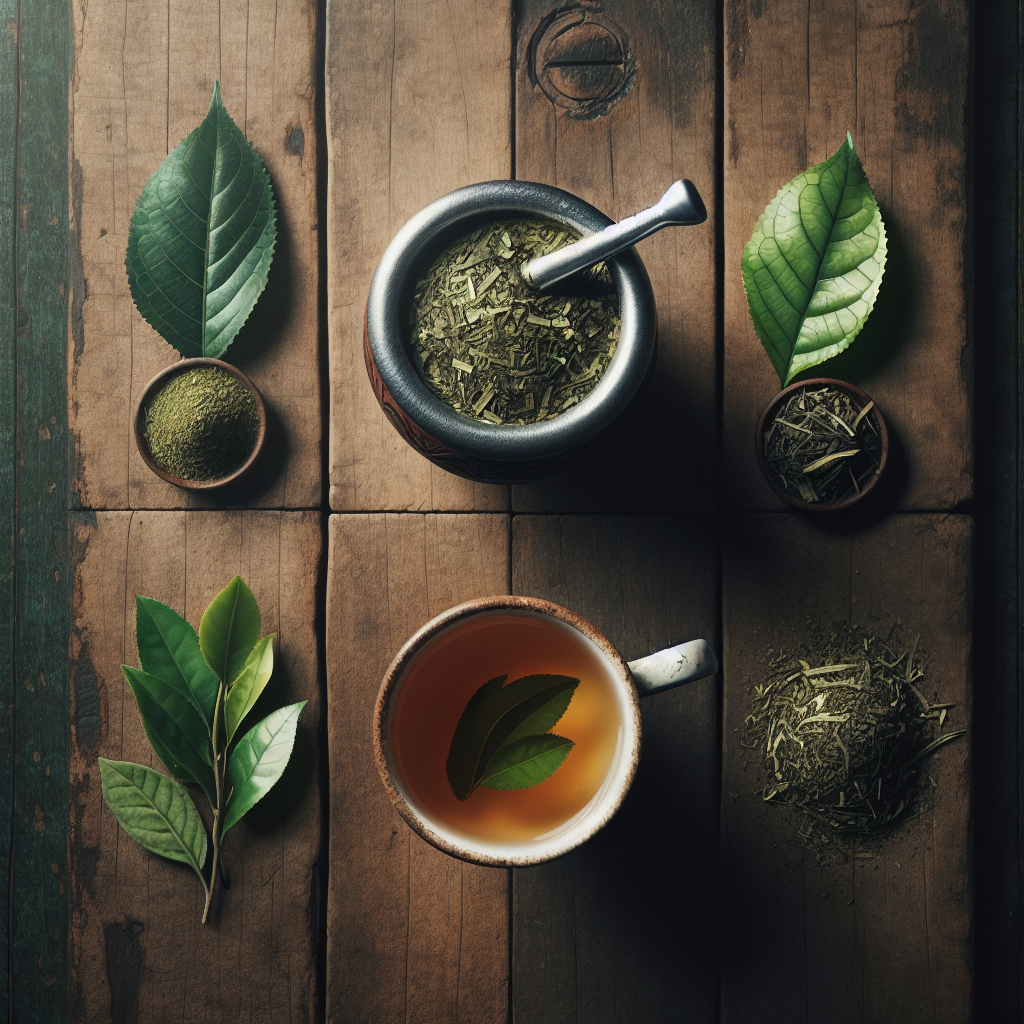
<point x="438" y="685"/>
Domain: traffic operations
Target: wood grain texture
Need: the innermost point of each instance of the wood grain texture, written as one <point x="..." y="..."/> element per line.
<point x="624" y="928"/>
<point x="797" y="76"/>
<point x="418" y="104"/>
<point x="37" y="855"/>
<point x="412" y="934"/>
<point x="144" y="73"/>
<point x="8" y="436"/>
<point x="661" y="129"/>
<point x="139" y="951"/>
<point x="875" y="939"/>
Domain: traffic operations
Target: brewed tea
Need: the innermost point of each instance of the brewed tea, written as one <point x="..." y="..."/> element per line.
<point x="435" y="690"/>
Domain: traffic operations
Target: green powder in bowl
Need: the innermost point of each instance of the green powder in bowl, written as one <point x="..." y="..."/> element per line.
<point x="202" y="425"/>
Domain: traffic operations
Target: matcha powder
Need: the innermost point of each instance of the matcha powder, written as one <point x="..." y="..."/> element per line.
<point x="202" y="425"/>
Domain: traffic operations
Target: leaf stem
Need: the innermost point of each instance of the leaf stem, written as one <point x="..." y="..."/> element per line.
<point x="218" y="776"/>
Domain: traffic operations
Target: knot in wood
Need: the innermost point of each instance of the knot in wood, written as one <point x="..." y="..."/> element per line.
<point x="581" y="61"/>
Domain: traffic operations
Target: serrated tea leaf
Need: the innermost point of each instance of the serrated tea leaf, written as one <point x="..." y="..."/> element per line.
<point x="249" y="684"/>
<point x="169" y="650"/>
<point x="179" y="727"/>
<point x="813" y="266"/>
<point x="494" y="715"/>
<point x="179" y="771"/>
<point x="259" y="759"/>
<point x="229" y="630"/>
<point x="526" y="762"/>
<point x="155" y="811"/>
<point x="202" y="237"/>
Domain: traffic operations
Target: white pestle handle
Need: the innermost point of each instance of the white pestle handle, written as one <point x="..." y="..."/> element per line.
<point x="681" y="204"/>
<point x="673" y="667"/>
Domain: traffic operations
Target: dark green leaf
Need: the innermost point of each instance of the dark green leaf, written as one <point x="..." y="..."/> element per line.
<point x="155" y="811"/>
<point x="169" y="650"/>
<point x="180" y="772"/>
<point x="249" y="684"/>
<point x="202" y="237"/>
<point x="229" y="630"/>
<point x="259" y="759"/>
<point x="526" y="762"/>
<point x="813" y="266"/>
<point x="179" y="727"/>
<point x="494" y="715"/>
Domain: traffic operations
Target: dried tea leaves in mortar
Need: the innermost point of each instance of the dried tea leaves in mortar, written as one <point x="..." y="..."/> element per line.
<point x="498" y="351"/>
<point x="822" y="446"/>
<point x="202" y="425"/>
<point x="843" y="726"/>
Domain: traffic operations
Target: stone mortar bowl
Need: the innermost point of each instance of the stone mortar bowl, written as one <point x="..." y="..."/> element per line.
<point x="480" y="451"/>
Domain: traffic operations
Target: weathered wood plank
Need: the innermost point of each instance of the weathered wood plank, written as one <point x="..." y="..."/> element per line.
<point x="139" y="951"/>
<point x="874" y="939"/>
<point x="797" y="77"/>
<point x="660" y="129"/>
<point x="37" y="856"/>
<point x="418" y="104"/>
<point x="624" y="928"/>
<point x="8" y="435"/>
<point x="412" y="934"/>
<point x="143" y="78"/>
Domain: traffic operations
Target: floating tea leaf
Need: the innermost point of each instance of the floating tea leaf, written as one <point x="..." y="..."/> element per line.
<point x="499" y="351"/>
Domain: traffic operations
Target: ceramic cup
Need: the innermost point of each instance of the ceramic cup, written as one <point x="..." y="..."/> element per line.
<point x="432" y="677"/>
<point x="487" y="452"/>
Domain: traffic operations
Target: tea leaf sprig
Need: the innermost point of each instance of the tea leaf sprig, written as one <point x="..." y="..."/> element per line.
<point x="503" y="741"/>
<point x="202" y="237"/>
<point x="813" y="266"/>
<point x="193" y="692"/>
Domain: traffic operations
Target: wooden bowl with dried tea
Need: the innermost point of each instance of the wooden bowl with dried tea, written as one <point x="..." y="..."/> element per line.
<point x="200" y="424"/>
<point x="482" y="374"/>
<point x="822" y="444"/>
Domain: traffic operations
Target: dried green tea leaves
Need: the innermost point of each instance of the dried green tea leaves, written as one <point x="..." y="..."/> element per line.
<point x="843" y="727"/>
<point x="495" y="349"/>
<point x="202" y="425"/>
<point x="823" y="446"/>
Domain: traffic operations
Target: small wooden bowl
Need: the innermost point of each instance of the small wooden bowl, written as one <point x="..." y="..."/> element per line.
<point x="182" y="366"/>
<point x="769" y="414"/>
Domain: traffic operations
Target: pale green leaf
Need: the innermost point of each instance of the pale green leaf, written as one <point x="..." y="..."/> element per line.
<point x="526" y="762"/>
<point x="169" y="650"/>
<point x="813" y="266"/>
<point x="155" y="811"/>
<point x="249" y="684"/>
<point x="202" y="237"/>
<point x="259" y="759"/>
<point x="229" y="630"/>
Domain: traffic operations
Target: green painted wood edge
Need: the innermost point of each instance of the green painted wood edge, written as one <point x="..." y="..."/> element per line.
<point x="8" y="139"/>
<point x="39" y="877"/>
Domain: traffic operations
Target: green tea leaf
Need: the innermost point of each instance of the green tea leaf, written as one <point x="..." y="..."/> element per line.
<point x="229" y="630"/>
<point x="249" y="684"/>
<point x="178" y="726"/>
<point x="526" y="762"/>
<point x="495" y="715"/>
<point x="202" y="237"/>
<point x="169" y="650"/>
<point x="813" y="266"/>
<point x="259" y="759"/>
<point x="155" y="811"/>
<point x="179" y="771"/>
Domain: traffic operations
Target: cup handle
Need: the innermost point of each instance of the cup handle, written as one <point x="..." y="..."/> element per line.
<point x="673" y="667"/>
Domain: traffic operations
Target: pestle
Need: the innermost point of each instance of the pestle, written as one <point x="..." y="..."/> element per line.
<point x="681" y="204"/>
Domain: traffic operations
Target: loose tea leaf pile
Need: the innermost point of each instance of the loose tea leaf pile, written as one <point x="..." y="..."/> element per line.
<point x="822" y="446"/>
<point x="495" y="349"/>
<point x="202" y="425"/>
<point x="843" y="727"/>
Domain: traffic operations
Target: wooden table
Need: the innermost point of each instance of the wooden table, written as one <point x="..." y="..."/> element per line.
<point x="695" y="903"/>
